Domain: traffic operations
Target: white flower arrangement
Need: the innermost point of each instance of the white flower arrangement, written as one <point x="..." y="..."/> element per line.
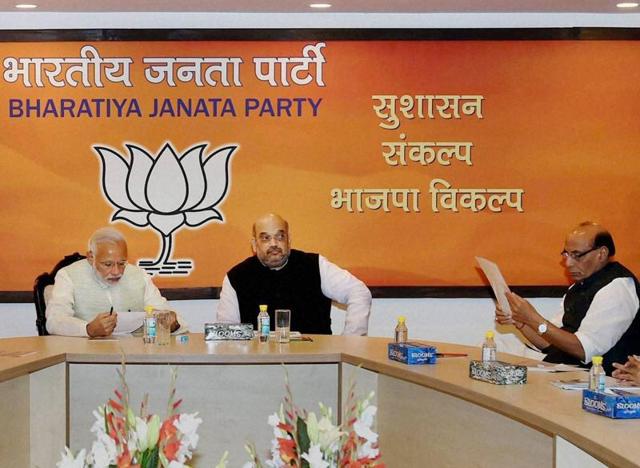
<point x="124" y="439"/>
<point x="306" y="440"/>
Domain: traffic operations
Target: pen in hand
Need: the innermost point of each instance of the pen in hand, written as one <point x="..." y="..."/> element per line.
<point x="111" y="311"/>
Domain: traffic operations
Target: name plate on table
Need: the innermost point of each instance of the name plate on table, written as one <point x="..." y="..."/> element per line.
<point x="498" y="372"/>
<point x="228" y="331"/>
<point x="616" y="404"/>
<point x="412" y="353"/>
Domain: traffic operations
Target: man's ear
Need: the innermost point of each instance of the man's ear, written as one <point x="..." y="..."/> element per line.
<point x="253" y="245"/>
<point x="90" y="256"/>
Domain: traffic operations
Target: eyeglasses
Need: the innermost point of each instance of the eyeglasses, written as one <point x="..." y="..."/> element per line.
<point x="577" y="255"/>
<point x="109" y="265"/>
<point x="280" y="237"/>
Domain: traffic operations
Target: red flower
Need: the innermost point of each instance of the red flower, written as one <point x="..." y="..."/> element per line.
<point x="168" y="429"/>
<point x="124" y="460"/>
<point x="116" y="406"/>
<point x="171" y="449"/>
<point x="288" y="428"/>
<point x="288" y="452"/>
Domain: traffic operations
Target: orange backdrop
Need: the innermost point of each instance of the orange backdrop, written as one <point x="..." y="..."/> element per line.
<point x="560" y="121"/>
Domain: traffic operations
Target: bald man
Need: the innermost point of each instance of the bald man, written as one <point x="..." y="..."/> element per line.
<point x="283" y="278"/>
<point x="599" y="315"/>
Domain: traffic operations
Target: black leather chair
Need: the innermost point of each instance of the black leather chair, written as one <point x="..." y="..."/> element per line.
<point x="39" y="286"/>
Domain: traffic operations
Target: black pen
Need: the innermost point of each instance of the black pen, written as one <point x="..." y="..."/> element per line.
<point x="111" y="311"/>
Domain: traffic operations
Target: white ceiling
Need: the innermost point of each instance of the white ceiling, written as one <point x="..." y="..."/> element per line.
<point x="339" y="6"/>
<point x="296" y="14"/>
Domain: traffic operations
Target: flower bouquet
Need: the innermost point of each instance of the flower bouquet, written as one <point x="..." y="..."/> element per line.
<point x="124" y="439"/>
<point x="306" y="440"/>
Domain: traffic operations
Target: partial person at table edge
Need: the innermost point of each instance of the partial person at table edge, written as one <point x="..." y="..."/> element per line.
<point x="285" y="278"/>
<point x="599" y="311"/>
<point x="89" y="294"/>
<point x="629" y="372"/>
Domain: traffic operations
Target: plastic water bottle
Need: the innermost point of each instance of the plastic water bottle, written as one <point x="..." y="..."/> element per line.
<point x="149" y="328"/>
<point x="488" y="347"/>
<point x="401" y="333"/>
<point x="264" y="325"/>
<point x="596" y="375"/>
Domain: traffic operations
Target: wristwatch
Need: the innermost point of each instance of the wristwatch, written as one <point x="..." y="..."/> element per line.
<point x="542" y="328"/>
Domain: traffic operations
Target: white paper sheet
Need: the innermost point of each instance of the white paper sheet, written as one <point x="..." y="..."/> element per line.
<point x="579" y="384"/>
<point x="498" y="284"/>
<point x="549" y="367"/>
<point x="128" y="322"/>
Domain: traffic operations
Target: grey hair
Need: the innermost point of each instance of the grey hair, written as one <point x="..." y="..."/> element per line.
<point x="105" y="234"/>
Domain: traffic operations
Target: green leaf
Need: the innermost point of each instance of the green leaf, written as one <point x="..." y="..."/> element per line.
<point x="303" y="441"/>
<point x="150" y="458"/>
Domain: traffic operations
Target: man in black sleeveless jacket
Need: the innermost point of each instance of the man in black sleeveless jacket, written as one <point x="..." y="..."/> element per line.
<point x="599" y="315"/>
<point x="282" y="278"/>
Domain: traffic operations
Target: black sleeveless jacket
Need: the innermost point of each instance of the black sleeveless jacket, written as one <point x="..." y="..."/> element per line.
<point x="576" y="304"/>
<point x="296" y="287"/>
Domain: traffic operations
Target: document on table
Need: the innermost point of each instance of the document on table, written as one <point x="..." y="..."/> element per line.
<point x="128" y="322"/>
<point x="498" y="284"/>
<point x="580" y="384"/>
<point x="550" y="367"/>
<point x="132" y="323"/>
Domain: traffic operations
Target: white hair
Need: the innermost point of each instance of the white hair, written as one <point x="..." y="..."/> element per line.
<point x="105" y="234"/>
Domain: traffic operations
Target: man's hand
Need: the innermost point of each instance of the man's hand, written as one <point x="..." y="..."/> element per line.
<point x="102" y="325"/>
<point x="629" y="371"/>
<point x="522" y="311"/>
<point x="173" y="321"/>
<point x="504" y="318"/>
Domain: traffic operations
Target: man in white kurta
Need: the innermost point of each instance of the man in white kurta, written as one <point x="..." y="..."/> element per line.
<point x="89" y="294"/>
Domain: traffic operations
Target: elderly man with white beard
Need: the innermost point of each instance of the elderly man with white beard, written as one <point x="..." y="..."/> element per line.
<point x="88" y="294"/>
<point x="284" y="278"/>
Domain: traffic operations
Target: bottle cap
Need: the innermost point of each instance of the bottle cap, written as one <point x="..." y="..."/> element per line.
<point x="401" y="318"/>
<point x="263" y="307"/>
<point x="148" y="309"/>
<point x="489" y="334"/>
<point x="597" y="360"/>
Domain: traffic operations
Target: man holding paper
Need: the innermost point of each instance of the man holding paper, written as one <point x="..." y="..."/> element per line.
<point x="88" y="294"/>
<point x="599" y="315"/>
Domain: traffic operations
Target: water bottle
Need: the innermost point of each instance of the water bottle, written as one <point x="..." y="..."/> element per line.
<point x="401" y="334"/>
<point x="596" y="375"/>
<point x="149" y="329"/>
<point x="264" y="326"/>
<point x="488" y="347"/>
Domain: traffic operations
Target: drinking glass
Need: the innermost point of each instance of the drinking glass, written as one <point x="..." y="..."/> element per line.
<point x="163" y="327"/>
<point x="283" y="325"/>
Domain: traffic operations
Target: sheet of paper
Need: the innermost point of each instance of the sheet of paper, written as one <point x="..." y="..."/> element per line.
<point x="581" y="384"/>
<point x="548" y="367"/>
<point x="498" y="284"/>
<point x="128" y="322"/>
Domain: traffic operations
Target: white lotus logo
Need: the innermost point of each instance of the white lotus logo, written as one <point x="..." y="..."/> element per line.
<point x="166" y="193"/>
